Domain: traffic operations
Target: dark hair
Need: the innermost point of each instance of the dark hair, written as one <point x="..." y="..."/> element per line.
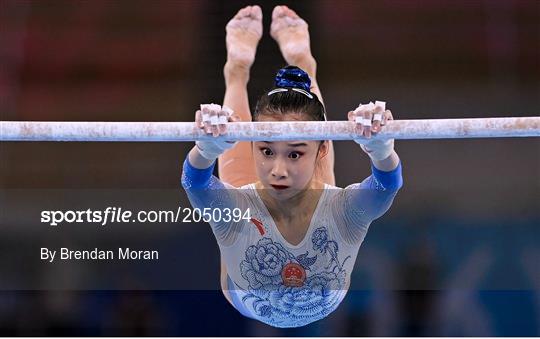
<point x="291" y="94"/>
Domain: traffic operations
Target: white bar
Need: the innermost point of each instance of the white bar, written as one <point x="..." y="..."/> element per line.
<point x="268" y="131"/>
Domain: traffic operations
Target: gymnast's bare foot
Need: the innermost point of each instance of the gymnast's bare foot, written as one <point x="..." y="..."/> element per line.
<point x="243" y="34"/>
<point x="291" y="33"/>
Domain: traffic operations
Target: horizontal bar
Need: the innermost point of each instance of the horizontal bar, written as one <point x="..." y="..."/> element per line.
<point x="267" y="131"/>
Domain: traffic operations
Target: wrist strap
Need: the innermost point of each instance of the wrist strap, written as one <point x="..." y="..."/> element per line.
<point x="205" y="154"/>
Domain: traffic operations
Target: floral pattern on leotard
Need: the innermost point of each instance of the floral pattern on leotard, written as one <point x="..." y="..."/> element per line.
<point x="277" y="304"/>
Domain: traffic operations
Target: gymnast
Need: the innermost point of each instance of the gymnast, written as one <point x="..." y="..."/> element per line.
<point x="290" y="263"/>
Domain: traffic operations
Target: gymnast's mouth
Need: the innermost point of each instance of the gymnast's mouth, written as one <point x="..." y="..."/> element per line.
<point x="279" y="187"/>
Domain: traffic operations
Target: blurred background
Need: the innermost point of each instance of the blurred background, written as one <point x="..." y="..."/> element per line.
<point x="456" y="255"/>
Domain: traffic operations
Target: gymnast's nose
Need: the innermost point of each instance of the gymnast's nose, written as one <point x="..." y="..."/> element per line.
<point x="279" y="168"/>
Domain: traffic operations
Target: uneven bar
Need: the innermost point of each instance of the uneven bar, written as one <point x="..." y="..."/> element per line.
<point x="268" y="131"/>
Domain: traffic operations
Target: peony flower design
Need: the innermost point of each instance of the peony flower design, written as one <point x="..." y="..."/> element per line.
<point x="263" y="264"/>
<point x="322" y="244"/>
<point x="298" y="306"/>
<point x="320" y="239"/>
<point x="291" y="306"/>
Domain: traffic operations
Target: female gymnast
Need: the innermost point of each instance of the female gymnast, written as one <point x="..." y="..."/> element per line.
<point x="289" y="263"/>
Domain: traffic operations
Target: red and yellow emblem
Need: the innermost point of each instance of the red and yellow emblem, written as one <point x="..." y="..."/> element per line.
<point x="293" y="275"/>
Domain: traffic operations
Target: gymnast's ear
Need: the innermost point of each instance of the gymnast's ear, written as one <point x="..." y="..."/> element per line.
<point x="324" y="147"/>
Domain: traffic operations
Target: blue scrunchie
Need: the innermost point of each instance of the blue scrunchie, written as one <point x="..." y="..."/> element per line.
<point x="293" y="77"/>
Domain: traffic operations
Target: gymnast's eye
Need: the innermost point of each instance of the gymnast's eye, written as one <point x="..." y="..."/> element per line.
<point x="266" y="151"/>
<point x="295" y="155"/>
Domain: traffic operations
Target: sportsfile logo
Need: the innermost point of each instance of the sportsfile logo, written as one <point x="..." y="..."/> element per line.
<point x="120" y="215"/>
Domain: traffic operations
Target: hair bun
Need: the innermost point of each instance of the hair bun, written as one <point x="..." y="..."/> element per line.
<point x="293" y="77"/>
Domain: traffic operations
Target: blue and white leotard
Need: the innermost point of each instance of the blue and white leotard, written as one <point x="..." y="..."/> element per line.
<point x="281" y="284"/>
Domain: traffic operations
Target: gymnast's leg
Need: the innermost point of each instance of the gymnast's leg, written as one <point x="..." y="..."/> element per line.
<point x="236" y="166"/>
<point x="244" y="31"/>
<point x="292" y="35"/>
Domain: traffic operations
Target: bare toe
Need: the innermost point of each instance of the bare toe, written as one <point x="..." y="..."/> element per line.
<point x="277" y="12"/>
<point x="256" y="12"/>
<point x="290" y="12"/>
<point x="243" y="12"/>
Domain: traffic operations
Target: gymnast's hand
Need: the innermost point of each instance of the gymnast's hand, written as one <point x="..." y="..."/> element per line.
<point x="370" y="119"/>
<point x="213" y="119"/>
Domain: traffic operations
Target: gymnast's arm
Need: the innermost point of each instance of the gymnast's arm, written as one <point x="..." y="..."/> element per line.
<point x="204" y="190"/>
<point x="359" y="204"/>
<point x="364" y="202"/>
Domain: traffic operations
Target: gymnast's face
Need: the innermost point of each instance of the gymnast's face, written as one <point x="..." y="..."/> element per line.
<point x="285" y="168"/>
